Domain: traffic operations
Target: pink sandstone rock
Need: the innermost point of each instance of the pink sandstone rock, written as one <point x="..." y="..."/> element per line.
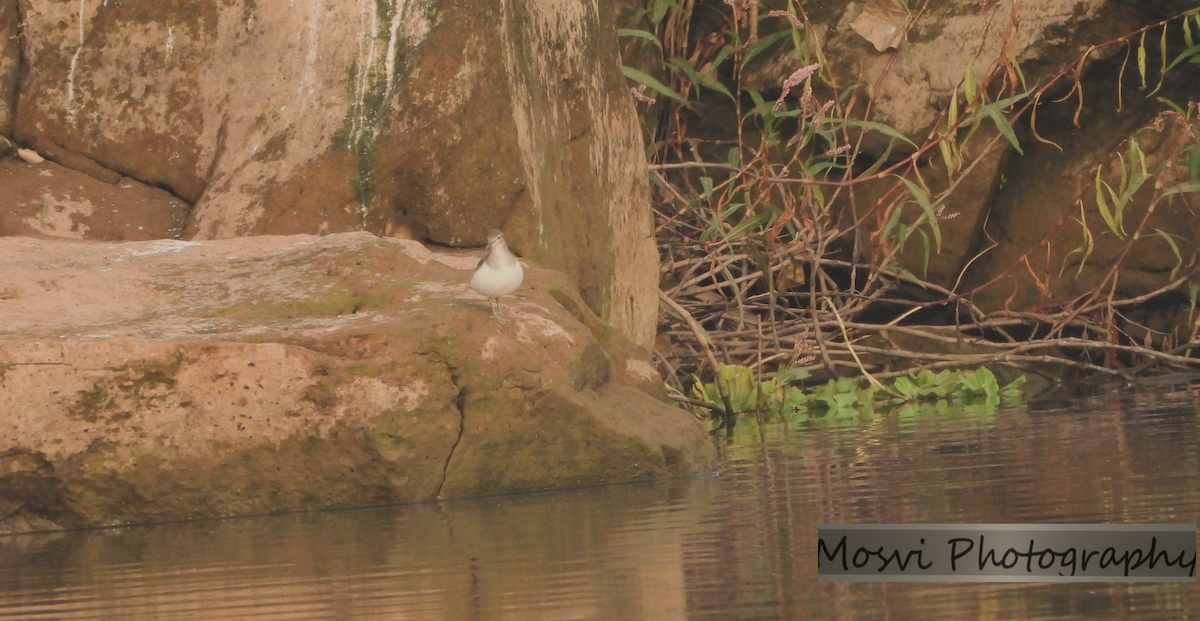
<point x="168" y="379"/>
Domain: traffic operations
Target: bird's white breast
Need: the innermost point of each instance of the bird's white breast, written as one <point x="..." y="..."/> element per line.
<point x="497" y="282"/>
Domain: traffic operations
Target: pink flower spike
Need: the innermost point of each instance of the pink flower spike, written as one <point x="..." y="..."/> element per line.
<point x="820" y="115"/>
<point x="639" y="94"/>
<point x="794" y="80"/>
<point x="1174" y="116"/>
<point x="838" y="151"/>
<point x="791" y="16"/>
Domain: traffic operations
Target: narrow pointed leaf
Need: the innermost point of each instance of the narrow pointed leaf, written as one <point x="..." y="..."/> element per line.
<point x="763" y="44"/>
<point x="1103" y="206"/>
<point x="1167" y="237"/>
<point x="653" y="84"/>
<point x="969" y="86"/>
<point x="641" y="34"/>
<point x="871" y="126"/>
<point x="1141" y="58"/>
<point x="1191" y="52"/>
<point x="700" y="79"/>
<point x="1002" y="124"/>
<point x="930" y="214"/>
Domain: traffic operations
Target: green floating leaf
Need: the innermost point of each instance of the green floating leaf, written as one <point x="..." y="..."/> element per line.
<point x="1013" y="387"/>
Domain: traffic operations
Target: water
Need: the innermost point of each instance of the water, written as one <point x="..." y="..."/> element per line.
<point x="739" y="546"/>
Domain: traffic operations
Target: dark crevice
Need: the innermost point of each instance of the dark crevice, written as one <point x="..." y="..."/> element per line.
<point x="460" y="402"/>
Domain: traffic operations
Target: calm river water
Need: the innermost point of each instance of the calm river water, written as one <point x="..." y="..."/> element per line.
<point x="741" y="545"/>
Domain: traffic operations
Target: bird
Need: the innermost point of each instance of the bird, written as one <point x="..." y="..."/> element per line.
<point x="498" y="273"/>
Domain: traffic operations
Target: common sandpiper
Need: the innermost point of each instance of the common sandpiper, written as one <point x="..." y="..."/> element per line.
<point x="498" y="273"/>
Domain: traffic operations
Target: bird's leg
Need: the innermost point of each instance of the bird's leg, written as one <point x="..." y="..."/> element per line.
<point x="495" y="306"/>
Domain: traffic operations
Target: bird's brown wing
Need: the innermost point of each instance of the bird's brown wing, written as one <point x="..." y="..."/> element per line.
<point x="481" y="262"/>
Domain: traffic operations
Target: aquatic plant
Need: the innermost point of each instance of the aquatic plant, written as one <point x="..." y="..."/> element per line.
<point x="785" y="397"/>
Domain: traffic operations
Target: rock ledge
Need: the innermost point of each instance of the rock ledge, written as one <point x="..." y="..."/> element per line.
<point x="161" y="380"/>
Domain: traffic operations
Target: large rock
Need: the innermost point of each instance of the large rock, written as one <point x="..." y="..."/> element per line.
<point x="911" y="89"/>
<point x="1042" y="255"/>
<point x="10" y="62"/>
<point x="169" y="379"/>
<point x="425" y="118"/>
<point x="49" y="199"/>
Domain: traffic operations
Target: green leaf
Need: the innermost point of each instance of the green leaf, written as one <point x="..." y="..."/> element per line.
<point x="1167" y="237"/>
<point x="1190" y="187"/>
<point x="905" y="387"/>
<point x="699" y="79"/>
<point x="930" y="213"/>
<point x="947" y="155"/>
<point x="1193" y="293"/>
<point x="790" y="375"/>
<point x="1089" y="243"/>
<point x="870" y="126"/>
<point x="925" y="253"/>
<point x="1162" y="48"/>
<point x="1012" y="389"/>
<point x="1012" y="62"/>
<point x="1189" y="53"/>
<point x="723" y="55"/>
<point x="756" y="221"/>
<point x="763" y="44"/>
<point x="1002" y="124"/>
<point x="733" y="157"/>
<point x="1105" y="212"/>
<point x="845" y="400"/>
<point x="969" y="88"/>
<point x="641" y="34"/>
<point x="660" y="9"/>
<point x="655" y="85"/>
<point x="879" y="162"/>
<point x="1141" y="59"/>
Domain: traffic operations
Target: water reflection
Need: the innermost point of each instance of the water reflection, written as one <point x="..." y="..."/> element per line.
<point x="738" y="546"/>
<point x="599" y="553"/>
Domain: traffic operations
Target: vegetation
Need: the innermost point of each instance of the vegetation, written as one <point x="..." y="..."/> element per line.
<point x="782" y="397"/>
<point x="772" y="260"/>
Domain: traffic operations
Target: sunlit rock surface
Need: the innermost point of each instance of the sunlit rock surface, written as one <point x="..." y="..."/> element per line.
<point x="431" y="119"/>
<point x="168" y="379"/>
